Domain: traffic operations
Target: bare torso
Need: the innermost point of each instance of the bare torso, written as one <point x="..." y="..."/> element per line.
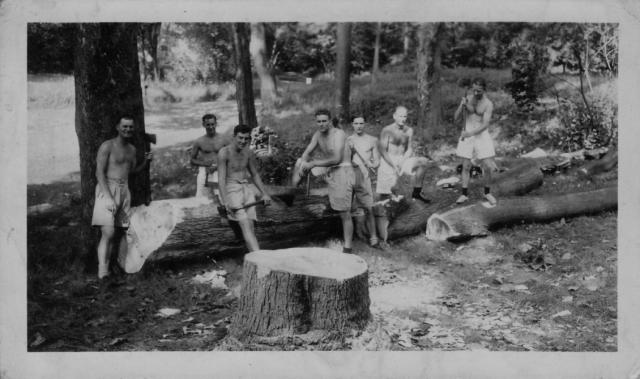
<point x="237" y="163"/>
<point x="205" y="149"/>
<point x="476" y="110"/>
<point x="329" y="142"/>
<point x="366" y="146"/>
<point x="395" y="140"/>
<point x="121" y="159"/>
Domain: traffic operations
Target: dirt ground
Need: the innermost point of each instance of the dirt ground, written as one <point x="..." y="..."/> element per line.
<point x="530" y="287"/>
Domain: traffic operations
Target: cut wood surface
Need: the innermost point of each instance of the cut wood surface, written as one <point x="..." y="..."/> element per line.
<point x="293" y="291"/>
<point x="476" y="219"/>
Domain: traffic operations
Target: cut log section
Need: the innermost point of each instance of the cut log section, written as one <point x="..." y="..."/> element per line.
<point x="476" y="220"/>
<point x="520" y="179"/>
<point x="604" y="164"/>
<point x="293" y="291"/>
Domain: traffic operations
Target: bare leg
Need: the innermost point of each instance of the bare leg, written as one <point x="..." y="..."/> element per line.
<point x="418" y="178"/>
<point x="371" y="225"/>
<point x="360" y="227"/>
<point x="347" y="228"/>
<point x="382" y="225"/>
<point x="466" y="166"/>
<point x="201" y="182"/>
<point x="104" y="250"/>
<point x="248" y="234"/>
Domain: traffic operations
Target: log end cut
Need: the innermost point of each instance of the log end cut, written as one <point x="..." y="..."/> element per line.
<point x="439" y="229"/>
<point x="293" y="291"/>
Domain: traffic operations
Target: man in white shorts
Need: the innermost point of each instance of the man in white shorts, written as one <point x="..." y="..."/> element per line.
<point x="475" y="140"/>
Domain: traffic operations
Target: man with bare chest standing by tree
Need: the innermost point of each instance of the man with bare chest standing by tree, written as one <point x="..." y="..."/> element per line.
<point x="115" y="161"/>
<point x="204" y="155"/>
<point x="475" y="139"/>
<point x="343" y="179"/>
<point x="236" y="166"/>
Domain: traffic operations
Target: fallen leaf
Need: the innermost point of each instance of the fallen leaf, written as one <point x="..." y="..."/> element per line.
<point x="38" y="340"/>
<point x="567" y="299"/>
<point x="167" y="312"/>
<point x="117" y="341"/>
<point x="591" y="283"/>
<point x="520" y="287"/>
<point x="188" y="319"/>
<point x="564" y="313"/>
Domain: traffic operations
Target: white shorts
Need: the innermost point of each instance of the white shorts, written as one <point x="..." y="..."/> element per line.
<point x="479" y="146"/>
<point x="203" y="180"/>
<point x="387" y="177"/>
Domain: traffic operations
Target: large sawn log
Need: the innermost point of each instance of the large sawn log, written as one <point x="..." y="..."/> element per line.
<point x="187" y="228"/>
<point x="294" y="291"/>
<point x="412" y="218"/>
<point x="475" y="220"/>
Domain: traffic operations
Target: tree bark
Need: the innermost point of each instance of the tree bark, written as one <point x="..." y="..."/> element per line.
<point x="107" y="85"/>
<point x="343" y="63"/>
<point x="259" y="52"/>
<point x="294" y="291"/>
<point x="406" y="40"/>
<point x="476" y="220"/>
<point x="244" y="80"/>
<point x="428" y="72"/>
<point x="375" y="71"/>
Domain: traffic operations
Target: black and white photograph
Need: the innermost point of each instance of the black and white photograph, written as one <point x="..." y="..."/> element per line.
<point x="368" y="189"/>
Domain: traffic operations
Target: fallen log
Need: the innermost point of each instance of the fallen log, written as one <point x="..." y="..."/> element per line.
<point x="475" y="220"/>
<point x="293" y="291"/>
<point x="595" y="167"/>
<point x="188" y="228"/>
<point x="518" y="180"/>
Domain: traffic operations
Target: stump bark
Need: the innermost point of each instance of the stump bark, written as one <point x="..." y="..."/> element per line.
<point x="475" y="220"/>
<point x="294" y="291"/>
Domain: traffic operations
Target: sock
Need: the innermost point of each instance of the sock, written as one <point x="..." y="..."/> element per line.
<point x="416" y="191"/>
<point x="346" y="250"/>
<point x="487" y="190"/>
<point x="465" y="191"/>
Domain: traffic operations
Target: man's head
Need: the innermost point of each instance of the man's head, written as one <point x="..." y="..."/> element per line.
<point x="400" y="116"/>
<point x="242" y="135"/>
<point x="478" y="87"/>
<point x="125" y="126"/>
<point x="323" y="120"/>
<point x="209" y="122"/>
<point x="357" y="122"/>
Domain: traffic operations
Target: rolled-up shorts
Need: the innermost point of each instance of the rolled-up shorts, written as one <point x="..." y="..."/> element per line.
<point x="387" y="177"/>
<point x="366" y="182"/>
<point x="479" y="146"/>
<point x="205" y="179"/>
<point x="240" y="193"/>
<point x="344" y="182"/>
<point x="101" y="214"/>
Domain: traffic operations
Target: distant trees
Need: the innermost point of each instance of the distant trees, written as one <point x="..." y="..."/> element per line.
<point x="244" y="81"/>
<point x="262" y="63"/>
<point x="148" y="50"/>
<point x="343" y="72"/>
<point x="428" y="76"/>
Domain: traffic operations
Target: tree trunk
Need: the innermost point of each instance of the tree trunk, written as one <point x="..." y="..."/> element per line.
<point x="153" y="34"/>
<point x="428" y="72"/>
<point x="107" y="85"/>
<point x="595" y="167"/>
<point x="185" y="228"/>
<point x="244" y="80"/>
<point x="375" y="71"/>
<point x="343" y="63"/>
<point x="259" y="52"/>
<point x="475" y="220"/>
<point x="297" y="290"/>
<point x="406" y="40"/>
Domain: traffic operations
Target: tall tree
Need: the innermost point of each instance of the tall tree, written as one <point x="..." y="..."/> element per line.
<point x="107" y="85"/>
<point x="406" y="40"/>
<point x="376" y="55"/>
<point x="244" y="81"/>
<point x="343" y="62"/>
<point x="428" y="70"/>
<point x="261" y="59"/>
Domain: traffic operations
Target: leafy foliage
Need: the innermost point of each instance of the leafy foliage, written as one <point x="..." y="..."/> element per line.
<point x="50" y="48"/>
<point x="586" y="126"/>
<point x="276" y="168"/>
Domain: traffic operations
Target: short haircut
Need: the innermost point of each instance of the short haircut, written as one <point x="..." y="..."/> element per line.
<point x="358" y="115"/>
<point x="125" y="116"/>
<point x="479" y="81"/>
<point x="242" y="128"/>
<point x="400" y="107"/>
<point x="209" y="116"/>
<point x="323" y="112"/>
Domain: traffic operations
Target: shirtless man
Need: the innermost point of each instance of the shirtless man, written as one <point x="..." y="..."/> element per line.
<point x="475" y="138"/>
<point x="115" y="161"/>
<point x="343" y="178"/>
<point x="367" y="157"/>
<point x="236" y="165"/>
<point x="397" y="158"/>
<point x="204" y="155"/>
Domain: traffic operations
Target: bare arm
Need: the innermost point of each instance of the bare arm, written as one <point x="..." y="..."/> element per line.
<point x="310" y="148"/>
<point x="375" y="154"/>
<point x="102" y="161"/>
<point x="409" y="148"/>
<point x="195" y="150"/>
<point x="385" y="139"/>
<point x="463" y="104"/>
<point x="256" y="177"/>
<point x="147" y="158"/>
<point x="222" y="175"/>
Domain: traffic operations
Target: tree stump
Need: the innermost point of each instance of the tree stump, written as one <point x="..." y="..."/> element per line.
<point x="293" y="291"/>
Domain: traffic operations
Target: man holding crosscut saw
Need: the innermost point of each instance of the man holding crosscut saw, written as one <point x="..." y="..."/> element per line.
<point x="236" y="165"/>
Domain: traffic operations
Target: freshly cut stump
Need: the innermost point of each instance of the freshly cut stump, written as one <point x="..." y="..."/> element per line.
<point x="293" y="291"/>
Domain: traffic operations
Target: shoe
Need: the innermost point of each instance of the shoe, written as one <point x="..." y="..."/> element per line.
<point x="419" y="197"/>
<point x="373" y="242"/>
<point x="384" y="245"/>
<point x="462" y="199"/>
<point x="347" y="250"/>
<point x="492" y="200"/>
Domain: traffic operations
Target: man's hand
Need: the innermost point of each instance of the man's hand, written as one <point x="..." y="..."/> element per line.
<point x="148" y="156"/>
<point x="306" y="166"/>
<point x="212" y="168"/>
<point x="398" y="170"/>
<point x="112" y="207"/>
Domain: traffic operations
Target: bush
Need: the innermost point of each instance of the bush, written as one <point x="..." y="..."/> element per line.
<point x="276" y="168"/>
<point x="586" y="127"/>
